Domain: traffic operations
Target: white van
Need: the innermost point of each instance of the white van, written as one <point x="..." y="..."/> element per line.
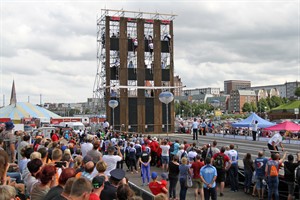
<point x="45" y="131"/>
<point x="76" y="126"/>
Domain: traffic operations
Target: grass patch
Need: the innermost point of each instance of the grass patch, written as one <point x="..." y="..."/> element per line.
<point x="288" y="106"/>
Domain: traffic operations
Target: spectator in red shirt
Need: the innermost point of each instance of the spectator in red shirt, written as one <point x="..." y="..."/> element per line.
<point x="197" y="183"/>
<point x="222" y="163"/>
<point x="154" y="146"/>
<point x="159" y="163"/>
<point x="186" y="145"/>
<point x="163" y="180"/>
<point x="155" y="186"/>
<point x="54" y="137"/>
<point x="98" y="186"/>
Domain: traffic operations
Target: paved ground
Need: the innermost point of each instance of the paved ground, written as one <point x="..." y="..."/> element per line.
<point x="243" y="146"/>
<point x="136" y="179"/>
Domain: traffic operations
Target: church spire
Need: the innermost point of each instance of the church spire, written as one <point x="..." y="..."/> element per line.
<point x="13" y="97"/>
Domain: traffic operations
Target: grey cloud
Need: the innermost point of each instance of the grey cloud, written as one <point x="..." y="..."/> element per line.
<point x="214" y="41"/>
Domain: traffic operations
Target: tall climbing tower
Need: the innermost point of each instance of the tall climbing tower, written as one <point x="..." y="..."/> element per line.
<point x="135" y="64"/>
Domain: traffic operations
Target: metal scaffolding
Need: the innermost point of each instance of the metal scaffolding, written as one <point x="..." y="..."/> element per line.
<point x="100" y="82"/>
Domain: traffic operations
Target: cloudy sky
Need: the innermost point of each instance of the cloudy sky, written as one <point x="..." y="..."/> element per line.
<point x="49" y="47"/>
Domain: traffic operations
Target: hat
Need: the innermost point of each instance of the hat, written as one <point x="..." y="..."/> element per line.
<point x="155" y="139"/>
<point x="154" y="175"/>
<point x="117" y="174"/>
<point x="98" y="181"/>
<point x="9" y="125"/>
<point x="87" y="159"/>
<point x="164" y="176"/>
<point x="63" y="148"/>
<point x="143" y="148"/>
<point x="282" y="132"/>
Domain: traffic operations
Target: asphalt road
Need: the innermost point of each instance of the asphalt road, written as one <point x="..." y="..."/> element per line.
<point x="242" y="145"/>
<point x="136" y="179"/>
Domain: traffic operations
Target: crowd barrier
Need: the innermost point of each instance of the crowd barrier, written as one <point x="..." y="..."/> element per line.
<point x="141" y="192"/>
<point x="282" y="188"/>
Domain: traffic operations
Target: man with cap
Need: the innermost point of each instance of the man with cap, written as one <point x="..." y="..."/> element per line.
<point x="164" y="180"/>
<point x="9" y="141"/>
<point x="156" y="186"/>
<point x="145" y="160"/>
<point x="110" y="187"/>
<point x="275" y="141"/>
<point x="98" y="186"/>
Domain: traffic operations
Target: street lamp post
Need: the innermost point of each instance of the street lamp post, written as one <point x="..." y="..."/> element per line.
<point x="113" y="104"/>
<point x="166" y="98"/>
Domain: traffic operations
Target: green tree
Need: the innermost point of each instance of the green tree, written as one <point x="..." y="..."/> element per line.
<point x="262" y="105"/>
<point x="177" y="108"/>
<point x="275" y="102"/>
<point x="253" y="106"/>
<point x="297" y="92"/>
<point x="246" y="107"/>
<point x="285" y="100"/>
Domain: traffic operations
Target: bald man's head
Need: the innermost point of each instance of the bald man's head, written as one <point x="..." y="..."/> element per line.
<point x="89" y="167"/>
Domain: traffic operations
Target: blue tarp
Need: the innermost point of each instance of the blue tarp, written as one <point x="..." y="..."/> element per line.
<point x="248" y="122"/>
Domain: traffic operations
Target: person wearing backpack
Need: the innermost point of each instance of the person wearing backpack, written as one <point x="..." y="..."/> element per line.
<point x="138" y="149"/>
<point x="213" y="149"/>
<point x="289" y="174"/>
<point x="181" y="153"/>
<point x="132" y="158"/>
<point x="222" y="163"/>
<point x="272" y="171"/>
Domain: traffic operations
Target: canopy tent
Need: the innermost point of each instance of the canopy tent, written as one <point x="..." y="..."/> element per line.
<point x="23" y="110"/>
<point x="287" y="126"/>
<point x="249" y="121"/>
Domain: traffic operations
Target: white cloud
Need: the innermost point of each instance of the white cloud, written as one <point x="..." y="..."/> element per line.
<point x="49" y="47"/>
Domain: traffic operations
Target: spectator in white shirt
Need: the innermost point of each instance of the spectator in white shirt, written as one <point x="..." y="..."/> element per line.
<point x="86" y="147"/>
<point x="195" y="127"/>
<point x="111" y="159"/>
<point x="275" y="141"/>
<point x="165" y="155"/>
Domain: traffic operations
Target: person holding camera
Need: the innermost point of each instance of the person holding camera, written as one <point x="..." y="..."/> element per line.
<point x="289" y="175"/>
<point x="111" y="159"/>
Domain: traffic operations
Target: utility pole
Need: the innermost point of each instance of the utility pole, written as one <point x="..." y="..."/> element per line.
<point x="40" y="99"/>
<point x="28" y="99"/>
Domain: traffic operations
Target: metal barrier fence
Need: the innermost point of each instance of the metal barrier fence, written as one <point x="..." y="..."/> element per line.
<point x="141" y="192"/>
<point x="282" y="188"/>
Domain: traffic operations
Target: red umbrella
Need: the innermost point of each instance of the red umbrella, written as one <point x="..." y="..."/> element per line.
<point x="287" y="126"/>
